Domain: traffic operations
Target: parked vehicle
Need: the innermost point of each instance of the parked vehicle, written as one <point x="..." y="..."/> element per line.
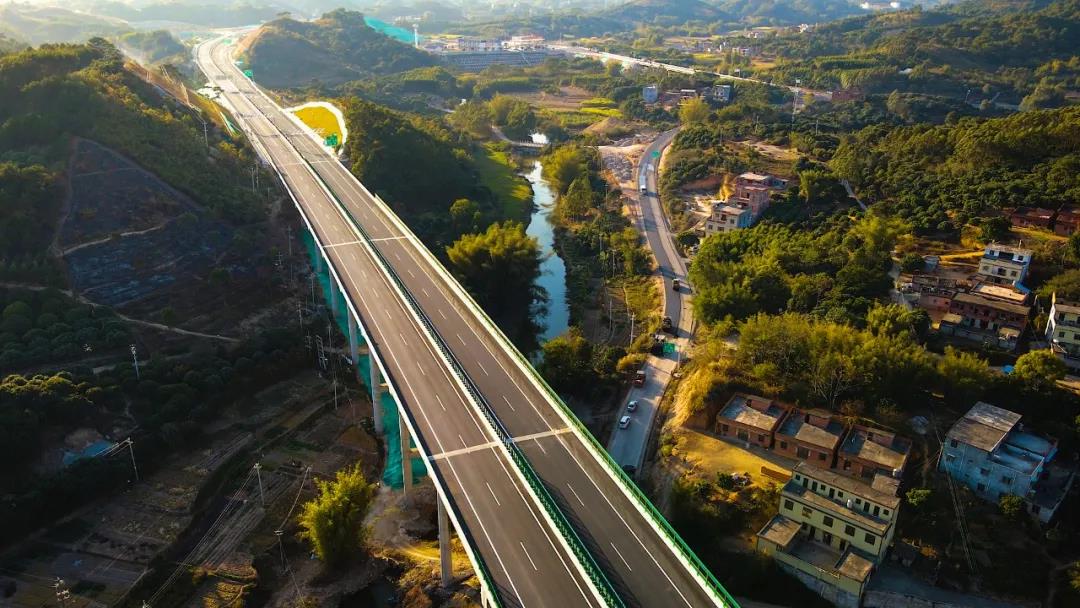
<point x="666" y="324"/>
<point x="624" y="422"/>
<point x="632" y="406"/>
<point x="675" y="285"/>
<point x="639" y="378"/>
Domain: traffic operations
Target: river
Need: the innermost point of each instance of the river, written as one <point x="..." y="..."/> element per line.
<point x="556" y="318"/>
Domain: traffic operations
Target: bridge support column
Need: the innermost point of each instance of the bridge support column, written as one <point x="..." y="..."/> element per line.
<point x="354" y="347"/>
<point x="406" y="454"/>
<point x="377" y="388"/>
<point x="446" y="558"/>
<point x="318" y="258"/>
<point x="333" y="296"/>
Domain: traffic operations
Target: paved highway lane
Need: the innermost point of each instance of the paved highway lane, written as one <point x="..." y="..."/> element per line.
<point x="524" y="555"/>
<point x="640" y="564"/>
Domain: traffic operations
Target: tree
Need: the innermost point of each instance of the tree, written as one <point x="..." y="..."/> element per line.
<point x="499" y="267"/>
<point x="1039" y="369"/>
<point x="465" y="214"/>
<point x="694" y="111"/>
<point x="894" y="320"/>
<point x="567" y="363"/>
<point x="472" y="117"/>
<point x="334" y="520"/>
<point x="1011" y="506"/>
<point x="564" y="165"/>
<point x="963" y="376"/>
<point x="578" y="200"/>
<point x="1066" y="285"/>
<point x="917" y="497"/>
<point x="995" y="228"/>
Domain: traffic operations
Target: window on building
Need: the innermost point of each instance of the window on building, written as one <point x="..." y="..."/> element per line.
<point x="802" y="452"/>
<point x="953" y="443"/>
<point x="813" y="486"/>
<point x="789" y="505"/>
<point x="821" y="456"/>
<point x="847" y="465"/>
<point x="849" y="530"/>
<point x="984" y="471"/>
<point x="885" y="512"/>
<point x="761" y="438"/>
<point x="870" y="539"/>
<point x="807" y="512"/>
<point x="839" y="494"/>
<point x="724" y="428"/>
<point x="783" y="445"/>
<point x="828" y="521"/>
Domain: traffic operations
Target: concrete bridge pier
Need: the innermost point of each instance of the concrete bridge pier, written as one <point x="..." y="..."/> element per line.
<point x="354" y="345"/>
<point x="446" y="558"/>
<point x="334" y="294"/>
<point x="377" y="389"/>
<point x="406" y="455"/>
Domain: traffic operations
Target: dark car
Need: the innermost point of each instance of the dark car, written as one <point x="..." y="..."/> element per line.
<point x="667" y="325"/>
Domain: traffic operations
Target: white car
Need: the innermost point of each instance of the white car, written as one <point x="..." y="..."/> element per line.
<point x="632" y="406"/>
<point x="624" y="422"/>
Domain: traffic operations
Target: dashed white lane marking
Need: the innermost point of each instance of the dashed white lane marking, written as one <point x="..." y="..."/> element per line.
<point x="439" y="399"/>
<point x="426" y="294"/>
<point x="463" y="443"/>
<point x="493" y="494"/>
<point x="621" y="557"/>
<point x="408" y="270"/>
<point x="510" y="405"/>
<point x="421" y="368"/>
<point x="403" y="340"/>
<point x="442" y="315"/>
<point x="528" y="556"/>
<point x="541" y="446"/>
<point x="480" y="364"/>
<point x="574" y="492"/>
<point x="388" y="238"/>
<point x="340" y="244"/>
<point x="462" y="340"/>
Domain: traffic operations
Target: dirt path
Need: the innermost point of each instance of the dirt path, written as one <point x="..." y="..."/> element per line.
<point x="140" y="322"/>
<point x="106" y="239"/>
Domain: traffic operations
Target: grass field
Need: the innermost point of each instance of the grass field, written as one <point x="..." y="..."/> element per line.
<point x="713" y="455"/>
<point x="321" y="120"/>
<point x="513" y="192"/>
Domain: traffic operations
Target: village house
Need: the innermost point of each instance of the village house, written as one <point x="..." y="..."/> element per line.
<point x="726" y="217"/>
<point x="755" y="190"/>
<point x="751" y="419"/>
<point x="991" y="452"/>
<point x="1066" y="222"/>
<point x="831" y="532"/>
<point x="1031" y="217"/>
<point x="811" y="436"/>
<point x="1063" y="331"/>
<point x="867" y="452"/>
<point x="1003" y="264"/>
<point x="996" y="317"/>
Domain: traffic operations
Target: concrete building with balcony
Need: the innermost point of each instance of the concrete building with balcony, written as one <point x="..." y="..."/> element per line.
<point x="811" y="436"/>
<point x="989" y="313"/>
<point x="867" y="452"/>
<point x="1063" y="331"/>
<point x="831" y="532"/>
<point x="990" y="451"/>
<point x="727" y="217"/>
<point x="1003" y="264"/>
<point x="754" y="191"/>
<point x="751" y="419"/>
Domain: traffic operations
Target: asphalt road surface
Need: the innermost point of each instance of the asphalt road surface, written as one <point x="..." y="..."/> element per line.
<point x="528" y="563"/>
<point x="642" y="566"/>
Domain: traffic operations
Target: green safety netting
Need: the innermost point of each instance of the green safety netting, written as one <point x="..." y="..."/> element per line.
<point x="392" y="475"/>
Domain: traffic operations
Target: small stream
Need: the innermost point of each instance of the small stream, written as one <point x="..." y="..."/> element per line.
<point x="556" y="318"/>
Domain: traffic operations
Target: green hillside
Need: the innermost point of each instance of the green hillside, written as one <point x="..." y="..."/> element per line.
<point x="151" y="47"/>
<point x="49" y="94"/>
<point x="332" y="50"/>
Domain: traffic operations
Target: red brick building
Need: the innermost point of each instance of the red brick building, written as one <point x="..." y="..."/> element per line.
<point x="867" y="452"/>
<point x="1032" y="217"/>
<point x="1067" y="222"/>
<point x="811" y="436"/>
<point x="751" y="419"/>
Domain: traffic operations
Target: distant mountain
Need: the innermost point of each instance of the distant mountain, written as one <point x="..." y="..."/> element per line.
<point x="40" y="24"/>
<point x="332" y="50"/>
<point x="9" y="45"/>
<point x="718" y="15"/>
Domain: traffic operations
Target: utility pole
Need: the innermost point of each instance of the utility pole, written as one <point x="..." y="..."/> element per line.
<point x="258" y="475"/>
<point x="633" y="317"/>
<point x="131" y="451"/>
<point x="135" y="358"/>
<point x="300" y="313"/>
<point x="252" y="171"/>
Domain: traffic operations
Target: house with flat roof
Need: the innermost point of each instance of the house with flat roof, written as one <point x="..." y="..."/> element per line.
<point x="867" y="452"/>
<point x="831" y="532"/>
<point x="1032" y="217"/>
<point x="751" y="419"/>
<point x="726" y="217"/>
<point x="1063" y="330"/>
<point x="986" y="318"/>
<point x="1004" y="264"/>
<point x="991" y="452"/>
<point x="811" y="436"/>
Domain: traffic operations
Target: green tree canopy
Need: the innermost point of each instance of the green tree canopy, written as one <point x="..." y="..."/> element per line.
<point x="499" y="267"/>
<point x="1039" y="369"/>
<point x="333" y="522"/>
